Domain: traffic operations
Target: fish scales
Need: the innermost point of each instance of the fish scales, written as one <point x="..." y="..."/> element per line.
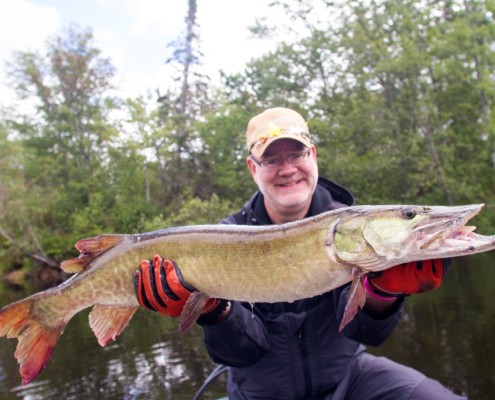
<point x="254" y="265"/>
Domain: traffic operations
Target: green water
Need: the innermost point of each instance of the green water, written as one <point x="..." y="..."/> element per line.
<point x="447" y="334"/>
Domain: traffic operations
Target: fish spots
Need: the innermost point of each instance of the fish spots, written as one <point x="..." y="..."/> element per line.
<point x="265" y="251"/>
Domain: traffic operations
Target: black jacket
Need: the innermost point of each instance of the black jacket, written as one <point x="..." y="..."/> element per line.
<point x="292" y="350"/>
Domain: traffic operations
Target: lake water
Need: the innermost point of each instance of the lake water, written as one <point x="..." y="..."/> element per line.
<point x="448" y="334"/>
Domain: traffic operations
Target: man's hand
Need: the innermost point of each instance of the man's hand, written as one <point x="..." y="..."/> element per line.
<point x="409" y="278"/>
<point x="159" y="287"/>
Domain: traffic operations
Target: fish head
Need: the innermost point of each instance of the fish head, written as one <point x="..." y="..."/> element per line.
<point x="374" y="238"/>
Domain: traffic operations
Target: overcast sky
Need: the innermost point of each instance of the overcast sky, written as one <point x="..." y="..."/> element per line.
<point x="134" y="33"/>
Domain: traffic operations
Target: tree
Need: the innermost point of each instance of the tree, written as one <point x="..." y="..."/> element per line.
<point x="417" y="63"/>
<point x="181" y="106"/>
<point x="62" y="175"/>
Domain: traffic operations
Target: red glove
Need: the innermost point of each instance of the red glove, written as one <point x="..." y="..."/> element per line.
<point x="412" y="277"/>
<point x="159" y="287"/>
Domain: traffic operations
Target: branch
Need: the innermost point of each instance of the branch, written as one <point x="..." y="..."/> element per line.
<point x="37" y="256"/>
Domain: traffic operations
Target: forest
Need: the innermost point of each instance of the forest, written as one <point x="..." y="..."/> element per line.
<point x="398" y="95"/>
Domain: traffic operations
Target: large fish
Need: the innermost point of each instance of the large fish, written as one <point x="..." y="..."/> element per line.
<point x="254" y="264"/>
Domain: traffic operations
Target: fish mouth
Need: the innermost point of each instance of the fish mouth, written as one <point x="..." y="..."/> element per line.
<point x="447" y="235"/>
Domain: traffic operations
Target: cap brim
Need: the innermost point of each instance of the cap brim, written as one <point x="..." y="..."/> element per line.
<point x="258" y="149"/>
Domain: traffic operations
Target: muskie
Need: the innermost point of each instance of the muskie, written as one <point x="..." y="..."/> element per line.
<point x="253" y="264"/>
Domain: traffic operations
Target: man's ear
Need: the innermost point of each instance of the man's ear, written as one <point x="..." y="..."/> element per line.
<point x="252" y="166"/>
<point x="313" y="151"/>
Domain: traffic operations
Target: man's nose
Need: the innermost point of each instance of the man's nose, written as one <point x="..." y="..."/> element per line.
<point x="286" y="166"/>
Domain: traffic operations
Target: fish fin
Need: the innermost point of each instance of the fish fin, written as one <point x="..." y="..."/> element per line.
<point x="90" y="248"/>
<point x="355" y="299"/>
<point x="108" y="322"/>
<point x="193" y="308"/>
<point x="36" y="341"/>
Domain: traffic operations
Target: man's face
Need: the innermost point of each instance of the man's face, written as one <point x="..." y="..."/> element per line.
<point x="288" y="189"/>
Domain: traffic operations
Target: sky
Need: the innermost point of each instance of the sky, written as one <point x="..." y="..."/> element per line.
<point x="134" y="34"/>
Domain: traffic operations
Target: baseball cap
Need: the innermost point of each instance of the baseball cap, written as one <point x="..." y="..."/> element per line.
<point x="274" y="124"/>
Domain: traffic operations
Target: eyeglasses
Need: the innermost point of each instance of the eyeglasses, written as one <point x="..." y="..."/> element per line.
<point x="274" y="164"/>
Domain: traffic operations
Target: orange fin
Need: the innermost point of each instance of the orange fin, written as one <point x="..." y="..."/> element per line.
<point x="90" y="248"/>
<point x="36" y="341"/>
<point x="108" y="322"/>
<point x="193" y="308"/>
<point x="356" y="299"/>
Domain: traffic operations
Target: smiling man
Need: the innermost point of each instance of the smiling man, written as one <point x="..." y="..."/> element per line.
<point x="295" y="350"/>
<point x="286" y="173"/>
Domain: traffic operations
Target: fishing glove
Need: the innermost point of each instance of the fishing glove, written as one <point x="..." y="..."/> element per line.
<point x="159" y="287"/>
<point x="408" y="278"/>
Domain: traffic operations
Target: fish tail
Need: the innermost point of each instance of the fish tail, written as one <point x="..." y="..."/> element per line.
<point x="36" y="341"/>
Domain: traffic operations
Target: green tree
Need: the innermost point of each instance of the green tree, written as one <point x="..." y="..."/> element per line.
<point x="180" y="107"/>
<point x="63" y="144"/>
<point x="223" y="158"/>
<point x="416" y="64"/>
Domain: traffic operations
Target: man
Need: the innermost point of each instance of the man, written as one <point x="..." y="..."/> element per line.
<point x="295" y="350"/>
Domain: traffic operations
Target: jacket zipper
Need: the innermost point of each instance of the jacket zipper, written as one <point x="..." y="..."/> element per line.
<point x="308" y="386"/>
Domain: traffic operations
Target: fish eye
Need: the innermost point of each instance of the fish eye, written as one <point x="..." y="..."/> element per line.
<point x="408" y="212"/>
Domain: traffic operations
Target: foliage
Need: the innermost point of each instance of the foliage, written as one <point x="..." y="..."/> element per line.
<point x="193" y="211"/>
<point x="399" y="97"/>
<point x="59" y="190"/>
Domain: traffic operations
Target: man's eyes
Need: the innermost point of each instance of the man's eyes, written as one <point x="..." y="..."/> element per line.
<point x="280" y="161"/>
<point x="273" y="161"/>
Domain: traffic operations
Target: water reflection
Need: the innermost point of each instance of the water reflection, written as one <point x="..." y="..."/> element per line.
<point x="447" y="334"/>
<point x="150" y="360"/>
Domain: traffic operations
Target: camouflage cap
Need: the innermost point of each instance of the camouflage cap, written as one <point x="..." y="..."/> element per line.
<point x="274" y="124"/>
